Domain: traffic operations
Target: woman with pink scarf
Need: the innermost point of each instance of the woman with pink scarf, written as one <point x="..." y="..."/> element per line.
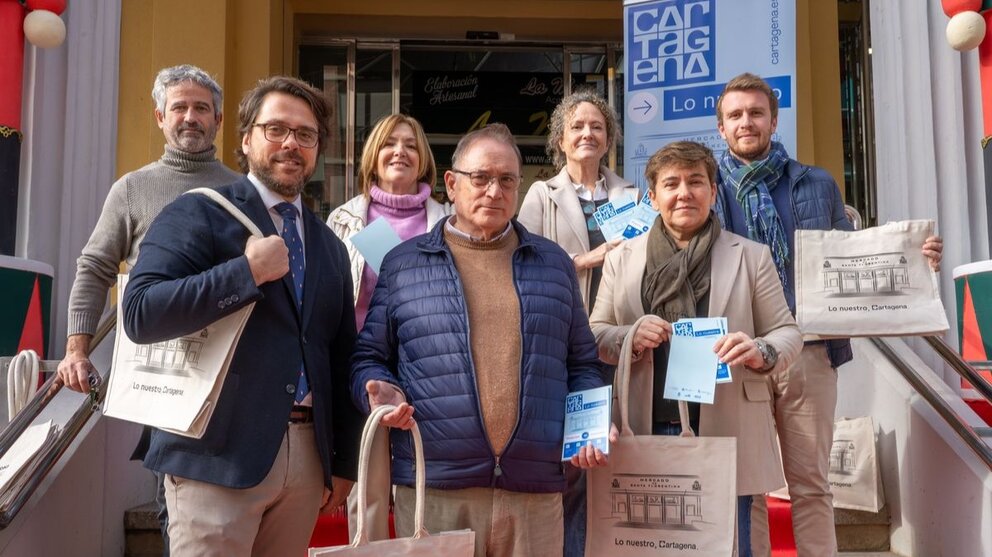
<point x="396" y="176"/>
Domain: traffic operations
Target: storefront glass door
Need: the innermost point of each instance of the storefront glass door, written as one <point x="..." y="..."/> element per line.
<point x="450" y="89"/>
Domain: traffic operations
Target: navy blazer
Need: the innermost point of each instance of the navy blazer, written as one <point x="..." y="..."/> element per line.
<point x="191" y="272"/>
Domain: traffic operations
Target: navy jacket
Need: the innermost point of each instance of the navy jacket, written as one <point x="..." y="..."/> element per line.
<point x="807" y="198"/>
<point x="191" y="272"/>
<point x="416" y="336"/>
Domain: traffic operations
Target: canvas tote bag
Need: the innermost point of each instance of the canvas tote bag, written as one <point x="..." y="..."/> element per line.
<point x="872" y="282"/>
<point x="661" y="495"/>
<point x="174" y="384"/>
<point x="855" y="477"/>
<point x="460" y="543"/>
<point x="854" y="474"/>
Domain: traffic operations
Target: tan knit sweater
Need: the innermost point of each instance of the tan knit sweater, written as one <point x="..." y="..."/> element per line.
<point x="486" y="270"/>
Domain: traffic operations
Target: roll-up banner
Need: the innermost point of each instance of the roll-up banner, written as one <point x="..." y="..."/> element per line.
<point x="679" y="56"/>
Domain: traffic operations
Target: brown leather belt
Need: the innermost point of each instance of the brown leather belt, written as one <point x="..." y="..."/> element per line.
<point x="301" y="415"/>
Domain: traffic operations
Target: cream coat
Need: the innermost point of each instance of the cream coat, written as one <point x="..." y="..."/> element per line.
<point x="566" y="223"/>
<point x="745" y="289"/>
<point x="349" y="219"/>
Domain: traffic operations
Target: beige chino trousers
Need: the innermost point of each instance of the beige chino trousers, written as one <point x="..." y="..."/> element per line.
<point x="274" y="518"/>
<point x="506" y="523"/>
<point x="804" y="406"/>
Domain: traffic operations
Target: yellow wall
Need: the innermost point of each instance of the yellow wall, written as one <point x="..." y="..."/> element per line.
<point x="236" y="41"/>
<point x="241" y="41"/>
<point x="819" y="134"/>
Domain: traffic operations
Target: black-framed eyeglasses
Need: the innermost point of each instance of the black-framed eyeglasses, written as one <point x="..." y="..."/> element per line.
<point x="277" y="133"/>
<point x="482" y="180"/>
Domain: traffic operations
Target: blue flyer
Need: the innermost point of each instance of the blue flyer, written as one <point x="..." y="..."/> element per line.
<point x="691" y="357"/>
<point x="587" y="420"/>
<point x="624" y="218"/>
<point x="374" y="242"/>
<point x="705" y="326"/>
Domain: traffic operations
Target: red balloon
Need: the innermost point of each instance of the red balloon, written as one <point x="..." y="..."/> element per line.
<point x="951" y="7"/>
<point x="58" y="6"/>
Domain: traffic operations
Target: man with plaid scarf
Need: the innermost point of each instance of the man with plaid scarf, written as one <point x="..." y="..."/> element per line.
<point x="766" y="196"/>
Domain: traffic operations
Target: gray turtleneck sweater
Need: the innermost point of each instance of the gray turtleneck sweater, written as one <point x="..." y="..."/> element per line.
<point x="132" y="204"/>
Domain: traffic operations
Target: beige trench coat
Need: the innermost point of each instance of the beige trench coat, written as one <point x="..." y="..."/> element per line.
<point x="744" y="288"/>
<point x="554" y="203"/>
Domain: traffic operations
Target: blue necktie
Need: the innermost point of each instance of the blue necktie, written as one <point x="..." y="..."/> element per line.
<point x="296" y="268"/>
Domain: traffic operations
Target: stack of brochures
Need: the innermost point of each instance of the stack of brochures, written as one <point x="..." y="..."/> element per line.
<point x="24" y="457"/>
<point x="625" y="217"/>
<point x="587" y="420"/>
<point x="693" y="368"/>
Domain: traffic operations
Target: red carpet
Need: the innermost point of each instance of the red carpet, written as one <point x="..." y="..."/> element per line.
<point x="780" y="525"/>
<point x="332" y="529"/>
<point x="982" y="408"/>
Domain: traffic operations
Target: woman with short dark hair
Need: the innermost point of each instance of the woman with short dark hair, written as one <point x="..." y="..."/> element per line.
<point x="687" y="266"/>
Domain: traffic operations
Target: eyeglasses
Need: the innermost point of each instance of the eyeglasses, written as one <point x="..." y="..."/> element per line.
<point x="277" y="133"/>
<point x="482" y="180"/>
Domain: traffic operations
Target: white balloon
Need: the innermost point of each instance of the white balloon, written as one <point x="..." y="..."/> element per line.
<point x="966" y="30"/>
<point x="44" y="29"/>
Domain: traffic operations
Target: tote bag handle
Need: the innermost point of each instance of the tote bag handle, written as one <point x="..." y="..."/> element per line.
<point x="226" y="204"/>
<point x="368" y="434"/>
<point x="622" y="380"/>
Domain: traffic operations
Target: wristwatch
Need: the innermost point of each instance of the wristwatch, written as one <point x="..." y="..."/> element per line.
<point x="768" y="353"/>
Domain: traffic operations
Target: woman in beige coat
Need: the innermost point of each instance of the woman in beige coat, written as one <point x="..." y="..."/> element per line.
<point x="686" y="266"/>
<point x="582" y="129"/>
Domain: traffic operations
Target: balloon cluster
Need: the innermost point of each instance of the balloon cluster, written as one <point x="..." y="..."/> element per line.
<point x="42" y="26"/>
<point x="966" y="29"/>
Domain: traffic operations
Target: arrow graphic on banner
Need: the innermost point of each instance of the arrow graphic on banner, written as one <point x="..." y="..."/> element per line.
<point x="646" y="107"/>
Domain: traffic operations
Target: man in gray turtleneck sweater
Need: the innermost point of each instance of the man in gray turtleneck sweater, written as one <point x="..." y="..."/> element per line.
<point x="188" y="110"/>
<point x="188" y="105"/>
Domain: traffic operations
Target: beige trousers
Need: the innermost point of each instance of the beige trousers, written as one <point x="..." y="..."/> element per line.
<point x="506" y="523"/>
<point x="805" y="401"/>
<point x="377" y="494"/>
<point x="274" y="518"/>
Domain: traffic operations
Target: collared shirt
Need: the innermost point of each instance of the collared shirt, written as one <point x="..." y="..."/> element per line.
<point x="597" y="194"/>
<point x="270" y="199"/>
<point x="449" y="226"/>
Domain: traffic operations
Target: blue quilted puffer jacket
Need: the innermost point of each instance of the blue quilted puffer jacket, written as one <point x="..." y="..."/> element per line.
<point x="816" y="205"/>
<point x="416" y="336"/>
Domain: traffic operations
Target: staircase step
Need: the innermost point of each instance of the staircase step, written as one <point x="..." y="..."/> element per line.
<point x="846" y="517"/>
<point x="856" y="530"/>
<point x="142" y="536"/>
<point x="861" y="530"/>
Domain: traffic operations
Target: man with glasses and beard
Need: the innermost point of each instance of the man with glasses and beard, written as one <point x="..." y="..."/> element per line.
<point x="282" y="442"/>
<point x="188" y="109"/>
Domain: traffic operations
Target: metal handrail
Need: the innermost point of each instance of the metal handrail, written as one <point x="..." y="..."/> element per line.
<point x="66" y="436"/>
<point x="962" y="428"/>
<point x="963" y="368"/>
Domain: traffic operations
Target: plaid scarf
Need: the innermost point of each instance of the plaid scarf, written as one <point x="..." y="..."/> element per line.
<point x="751" y="184"/>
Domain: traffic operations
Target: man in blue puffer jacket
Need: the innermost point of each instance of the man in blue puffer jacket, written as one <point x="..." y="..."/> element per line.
<point x="480" y="327"/>
<point x="766" y="196"/>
